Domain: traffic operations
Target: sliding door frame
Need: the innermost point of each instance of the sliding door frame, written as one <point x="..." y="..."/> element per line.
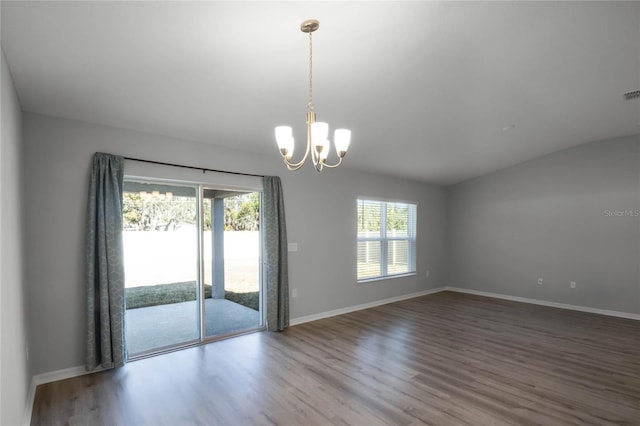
<point x="200" y="274"/>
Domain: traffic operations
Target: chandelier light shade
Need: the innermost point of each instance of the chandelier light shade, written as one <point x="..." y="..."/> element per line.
<point x="318" y="144"/>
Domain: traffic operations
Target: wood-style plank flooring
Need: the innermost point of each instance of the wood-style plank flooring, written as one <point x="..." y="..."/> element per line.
<point x="443" y="359"/>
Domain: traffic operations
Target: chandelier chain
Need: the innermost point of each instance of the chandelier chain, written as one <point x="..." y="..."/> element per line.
<point x="310" y="71"/>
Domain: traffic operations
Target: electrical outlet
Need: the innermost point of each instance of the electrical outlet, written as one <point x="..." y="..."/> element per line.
<point x="572" y="284"/>
<point x="540" y="281"/>
<point x="294" y="292"/>
<point x="427" y="273"/>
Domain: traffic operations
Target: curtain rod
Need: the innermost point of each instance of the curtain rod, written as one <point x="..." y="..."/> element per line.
<point x="204" y="169"/>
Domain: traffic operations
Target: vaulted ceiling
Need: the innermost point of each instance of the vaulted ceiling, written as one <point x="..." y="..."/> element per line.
<point x="434" y="91"/>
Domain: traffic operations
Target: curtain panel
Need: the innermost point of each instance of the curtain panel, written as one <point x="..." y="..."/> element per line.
<point x="105" y="345"/>
<point x="275" y="255"/>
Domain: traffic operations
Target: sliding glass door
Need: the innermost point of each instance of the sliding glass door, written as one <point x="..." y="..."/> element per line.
<point x="192" y="264"/>
<point x="160" y="239"/>
<point x="231" y="262"/>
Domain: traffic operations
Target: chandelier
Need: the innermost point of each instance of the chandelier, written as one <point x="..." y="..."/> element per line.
<point x="318" y="144"/>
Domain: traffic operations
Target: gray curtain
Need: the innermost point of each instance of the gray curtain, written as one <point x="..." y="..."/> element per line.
<point x="275" y="255"/>
<point x="105" y="265"/>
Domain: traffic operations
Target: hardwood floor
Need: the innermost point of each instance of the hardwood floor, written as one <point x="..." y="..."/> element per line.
<point x="443" y="359"/>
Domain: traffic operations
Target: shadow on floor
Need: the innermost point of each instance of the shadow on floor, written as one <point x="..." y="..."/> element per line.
<point x="164" y="325"/>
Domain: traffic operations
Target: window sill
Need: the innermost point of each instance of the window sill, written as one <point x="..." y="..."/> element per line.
<point x="386" y="277"/>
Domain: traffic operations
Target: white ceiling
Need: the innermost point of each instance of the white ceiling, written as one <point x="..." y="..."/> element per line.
<point x="425" y="87"/>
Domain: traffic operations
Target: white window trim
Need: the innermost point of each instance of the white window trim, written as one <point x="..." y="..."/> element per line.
<point x="384" y="240"/>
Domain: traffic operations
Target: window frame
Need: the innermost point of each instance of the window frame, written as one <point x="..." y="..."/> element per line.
<point x="384" y="239"/>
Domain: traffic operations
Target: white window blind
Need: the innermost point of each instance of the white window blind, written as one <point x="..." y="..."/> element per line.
<point x="386" y="239"/>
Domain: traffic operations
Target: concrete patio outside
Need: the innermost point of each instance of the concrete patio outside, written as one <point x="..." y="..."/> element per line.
<point x="159" y="326"/>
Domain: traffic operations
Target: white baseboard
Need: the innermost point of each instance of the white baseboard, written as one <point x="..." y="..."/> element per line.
<point x="327" y="314"/>
<point x="321" y="315"/>
<point x="54" y="376"/>
<point x="618" y="314"/>
<point x="51" y="376"/>
<point x="31" y="397"/>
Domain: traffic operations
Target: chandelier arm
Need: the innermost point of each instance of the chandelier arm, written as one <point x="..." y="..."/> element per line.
<point x="333" y="166"/>
<point x="314" y="154"/>
<point x="314" y="157"/>
<point x="293" y="168"/>
<point x="318" y="165"/>
<point x="296" y="166"/>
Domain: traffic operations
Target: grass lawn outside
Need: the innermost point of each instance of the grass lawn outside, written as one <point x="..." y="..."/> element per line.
<point x="162" y="294"/>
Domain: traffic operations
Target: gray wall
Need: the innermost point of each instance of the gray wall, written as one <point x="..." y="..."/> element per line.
<point x="548" y="218"/>
<point x="497" y="233"/>
<point x="320" y="208"/>
<point x="15" y="376"/>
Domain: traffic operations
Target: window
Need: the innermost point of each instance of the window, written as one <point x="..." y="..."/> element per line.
<point x="386" y="239"/>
